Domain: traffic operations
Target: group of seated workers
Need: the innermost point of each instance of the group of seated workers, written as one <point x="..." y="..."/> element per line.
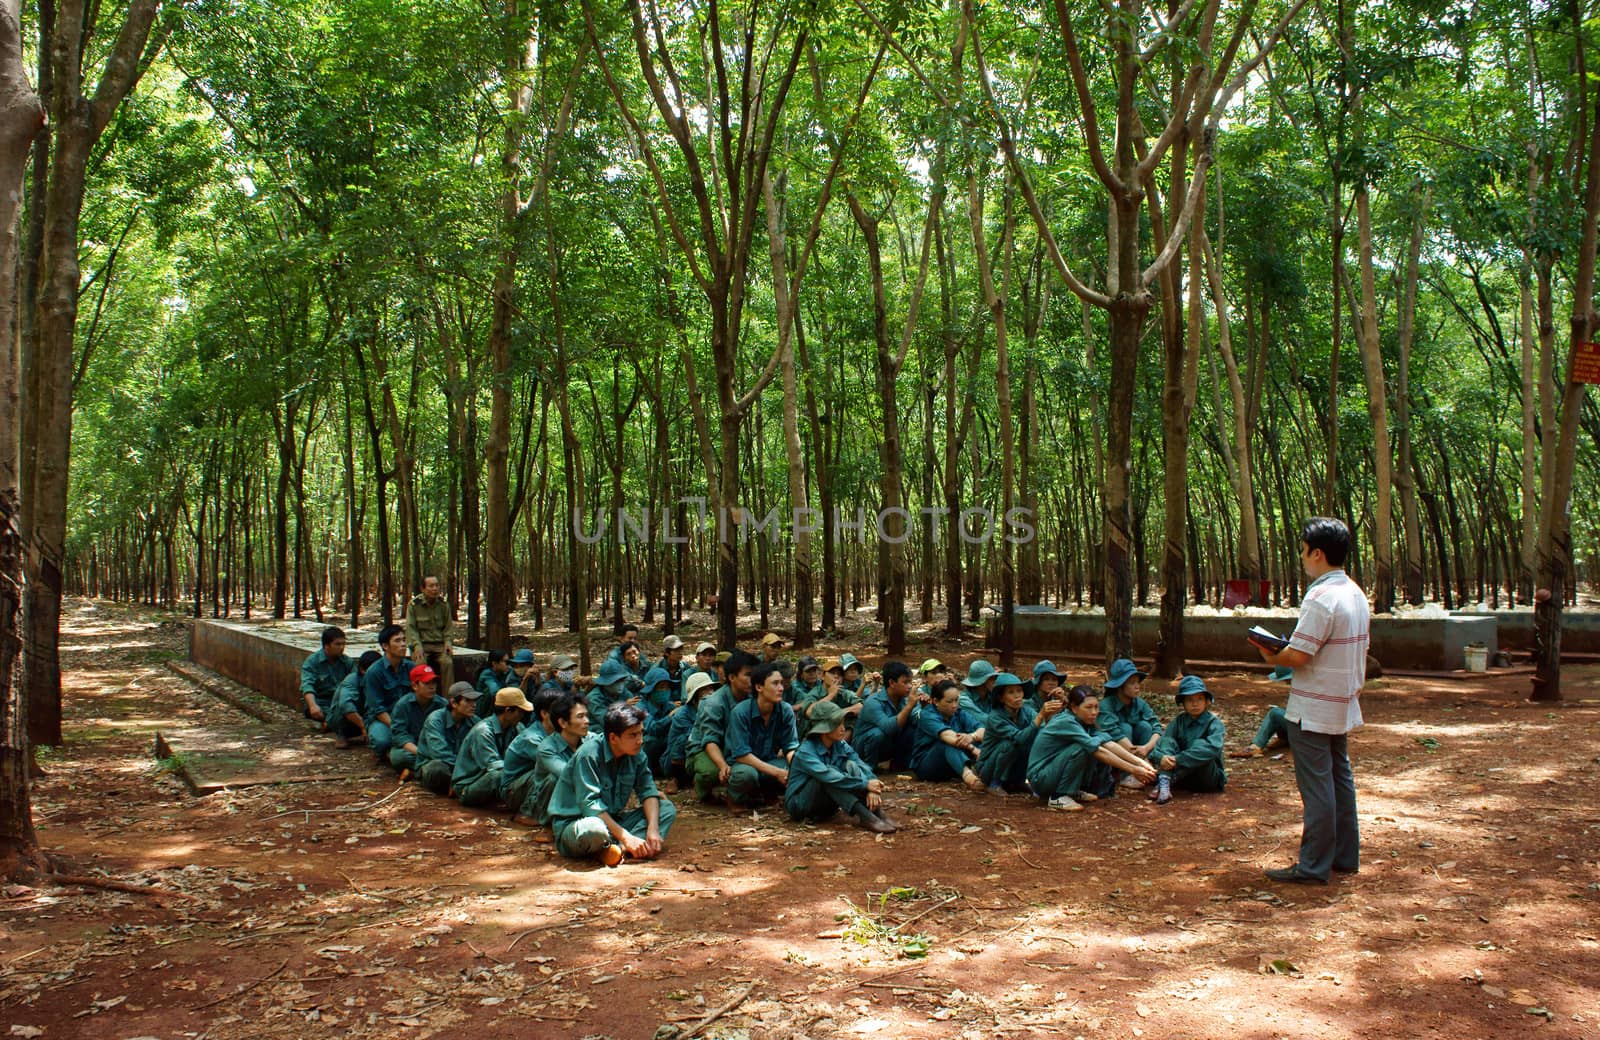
<point x="589" y="761"/>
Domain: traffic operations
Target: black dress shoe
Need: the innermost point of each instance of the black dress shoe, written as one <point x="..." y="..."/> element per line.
<point x="1347" y="870"/>
<point x="1293" y="874"/>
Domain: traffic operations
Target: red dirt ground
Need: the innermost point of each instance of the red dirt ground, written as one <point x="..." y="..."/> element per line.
<point x="1474" y="914"/>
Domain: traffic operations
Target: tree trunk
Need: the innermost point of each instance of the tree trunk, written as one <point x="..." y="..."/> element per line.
<point x="1403" y="478"/>
<point x="1378" y="411"/>
<point x="1555" y="537"/>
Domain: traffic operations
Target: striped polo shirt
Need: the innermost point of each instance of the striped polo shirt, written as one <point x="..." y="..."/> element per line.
<point x="1335" y="629"/>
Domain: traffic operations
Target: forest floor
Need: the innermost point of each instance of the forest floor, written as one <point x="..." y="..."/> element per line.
<point x="351" y="908"/>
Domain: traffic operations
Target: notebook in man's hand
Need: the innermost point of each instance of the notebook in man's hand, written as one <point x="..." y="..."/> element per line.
<point x="1260" y="635"/>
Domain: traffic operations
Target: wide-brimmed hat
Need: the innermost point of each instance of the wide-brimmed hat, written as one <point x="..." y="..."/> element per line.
<point x="693" y="685"/>
<point x="511" y="697"/>
<point x="613" y="671"/>
<point x="825" y="718"/>
<point x="1190" y="685"/>
<point x="655" y="677"/>
<point x="1044" y="668"/>
<point x="1004" y="679"/>
<point x="978" y="673"/>
<point x="1122" y="670"/>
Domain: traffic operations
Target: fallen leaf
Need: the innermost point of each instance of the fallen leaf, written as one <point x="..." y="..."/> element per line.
<point x="971" y="829"/>
<point x="26" y="1031"/>
<point x="1523" y="997"/>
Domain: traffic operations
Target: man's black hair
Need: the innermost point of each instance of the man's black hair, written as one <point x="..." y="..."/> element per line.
<point x="496" y="656"/>
<point x="763" y="670"/>
<point x="1329" y="535"/>
<point x="895" y="670"/>
<point x="739" y="662"/>
<point x="544" y="702"/>
<point x="621" y="717"/>
<point x="561" y="710"/>
<point x="330" y="634"/>
<point x="388" y="632"/>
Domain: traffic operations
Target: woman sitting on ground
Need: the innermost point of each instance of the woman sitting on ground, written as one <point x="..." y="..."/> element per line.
<point x="1071" y="762"/>
<point x="948" y="740"/>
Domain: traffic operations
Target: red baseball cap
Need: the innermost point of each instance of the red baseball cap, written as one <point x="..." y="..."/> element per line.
<point x="422" y="673"/>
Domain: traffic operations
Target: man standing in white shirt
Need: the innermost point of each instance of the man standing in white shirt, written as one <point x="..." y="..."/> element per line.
<point x="1328" y="652"/>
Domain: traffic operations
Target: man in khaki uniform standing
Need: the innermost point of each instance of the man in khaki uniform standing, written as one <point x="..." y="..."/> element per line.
<point x="428" y="625"/>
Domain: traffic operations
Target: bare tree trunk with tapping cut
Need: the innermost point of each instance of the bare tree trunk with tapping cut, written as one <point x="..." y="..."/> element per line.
<point x="1249" y="568"/>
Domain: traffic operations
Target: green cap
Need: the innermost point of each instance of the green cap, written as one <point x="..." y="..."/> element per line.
<point x="825" y="718"/>
<point x="932" y="664"/>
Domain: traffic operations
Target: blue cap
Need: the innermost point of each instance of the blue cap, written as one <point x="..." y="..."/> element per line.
<point x="612" y="671"/>
<point x="1044" y="668"/>
<point x="523" y="656"/>
<point x="1282" y="673"/>
<point x="1004" y="679"/>
<point x="848" y="661"/>
<point x="655" y="676"/>
<point x="1122" y="670"/>
<point x="979" y="673"/>
<point x="1190" y="685"/>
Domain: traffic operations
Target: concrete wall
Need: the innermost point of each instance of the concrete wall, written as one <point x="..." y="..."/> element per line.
<point x="266" y="655"/>
<point x="1580" y="633"/>
<point x="1420" y="644"/>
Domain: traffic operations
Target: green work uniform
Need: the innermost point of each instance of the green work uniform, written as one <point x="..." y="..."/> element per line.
<point x="490" y="684"/>
<point x="436" y="751"/>
<point x="769" y="739"/>
<point x="1062" y="762"/>
<point x="520" y="758"/>
<point x="346" y="701"/>
<point x="550" y="762"/>
<point x="1196" y="745"/>
<point x="1135" y="722"/>
<point x="825" y="780"/>
<point x="480" y="762"/>
<point x="320" y="676"/>
<point x="597" y="781"/>
<point x="710" y="727"/>
<point x="1007" y="739"/>
<point x="405" y="727"/>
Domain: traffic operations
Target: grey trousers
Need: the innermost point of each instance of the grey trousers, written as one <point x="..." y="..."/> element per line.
<point x="1330" y="837"/>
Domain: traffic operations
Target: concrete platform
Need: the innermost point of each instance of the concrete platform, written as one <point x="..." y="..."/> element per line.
<point x="1580" y="631"/>
<point x="1416" y="644"/>
<point x="266" y="655"/>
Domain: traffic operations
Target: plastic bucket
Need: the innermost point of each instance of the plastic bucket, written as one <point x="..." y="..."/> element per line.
<point x="1477" y="657"/>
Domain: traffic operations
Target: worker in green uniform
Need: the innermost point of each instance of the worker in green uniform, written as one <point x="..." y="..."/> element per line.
<point x="762" y="735"/>
<point x="615" y="684"/>
<point x="977" y="687"/>
<point x="887" y="728"/>
<point x="1071" y="761"/>
<point x="442" y="733"/>
<point x="708" y="763"/>
<point x="385" y="683"/>
<point x="491" y="677"/>
<point x="410" y="712"/>
<point x="349" y="727"/>
<point x="429" y="629"/>
<point x="807" y="684"/>
<point x="555" y="751"/>
<point x="826" y="777"/>
<point x="320" y="676"/>
<point x="948" y="740"/>
<point x="1046" y="684"/>
<point x="480" y="761"/>
<point x="589" y="807"/>
<point x="674" y="760"/>
<point x="1189" y="754"/>
<point x="1124" y="715"/>
<point x="1008" y="735"/>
